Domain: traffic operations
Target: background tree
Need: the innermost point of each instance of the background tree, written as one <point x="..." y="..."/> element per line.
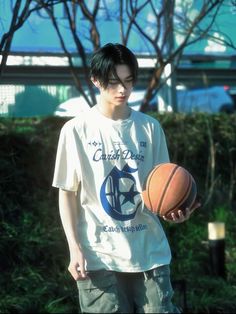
<point x="163" y="21"/>
<point x="21" y="11"/>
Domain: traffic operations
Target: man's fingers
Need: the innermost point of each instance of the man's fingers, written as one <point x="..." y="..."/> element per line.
<point x="81" y="271"/>
<point x="195" y="206"/>
<point x="74" y="272"/>
<point x="181" y="216"/>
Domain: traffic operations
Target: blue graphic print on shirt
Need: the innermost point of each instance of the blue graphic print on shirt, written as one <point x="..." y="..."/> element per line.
<point x="113" y="198"/>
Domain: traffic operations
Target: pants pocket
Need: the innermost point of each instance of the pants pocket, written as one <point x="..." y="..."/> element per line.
<point x="98" y="294"/>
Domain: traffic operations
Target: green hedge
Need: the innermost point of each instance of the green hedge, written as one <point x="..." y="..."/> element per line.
<point x="206" y="145"/>
<point x="34" y="255"/>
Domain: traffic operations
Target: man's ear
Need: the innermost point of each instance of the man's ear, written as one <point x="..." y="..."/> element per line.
<point x="95" y="82"/>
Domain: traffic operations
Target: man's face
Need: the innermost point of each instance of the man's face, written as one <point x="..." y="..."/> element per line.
<point x="118" y="91"/>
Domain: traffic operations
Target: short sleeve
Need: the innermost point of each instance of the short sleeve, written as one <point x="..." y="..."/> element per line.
<point x="161" y="150"/>
<point x="66" y="172"/>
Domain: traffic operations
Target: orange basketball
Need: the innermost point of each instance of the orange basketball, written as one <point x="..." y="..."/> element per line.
<point x="169" y="187"/>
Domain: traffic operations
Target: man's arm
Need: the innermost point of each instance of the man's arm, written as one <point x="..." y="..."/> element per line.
<point x="69" y="217"/>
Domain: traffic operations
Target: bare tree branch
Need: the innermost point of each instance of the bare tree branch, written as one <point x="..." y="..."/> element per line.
<point x="7" y="37"/>
<point x="156" y="33"/>
<point x="83" y="55"/>
<point x="67" y="53"/>
<point x="18" y="20"/>
<point x="173" y="56"/>
<point x="91" y="16"/>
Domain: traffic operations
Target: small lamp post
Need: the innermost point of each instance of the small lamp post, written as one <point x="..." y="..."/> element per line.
<point x="216" y="239"/>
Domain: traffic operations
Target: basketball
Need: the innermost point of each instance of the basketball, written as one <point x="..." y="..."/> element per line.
<point x="169" y="188"/>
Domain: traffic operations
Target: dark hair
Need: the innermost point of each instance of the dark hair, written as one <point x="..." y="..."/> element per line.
<point x="105" y="59"/>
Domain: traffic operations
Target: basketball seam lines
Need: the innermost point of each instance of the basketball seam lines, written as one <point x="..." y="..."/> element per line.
<point x="163" y="193"/>
<point x="148" y="193"/>
<point x="184" y="197"/>
<point x="189" y="192"/>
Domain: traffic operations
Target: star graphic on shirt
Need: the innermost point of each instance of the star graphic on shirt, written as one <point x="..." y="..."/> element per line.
<point x="130" y="195"/>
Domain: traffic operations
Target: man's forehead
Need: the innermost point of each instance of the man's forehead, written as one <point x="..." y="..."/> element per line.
<point x="115" y="76"/>
<point x="120" y="70"/>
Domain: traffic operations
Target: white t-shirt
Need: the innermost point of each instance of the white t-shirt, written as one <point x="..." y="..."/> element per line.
<point x="107" y="162"/>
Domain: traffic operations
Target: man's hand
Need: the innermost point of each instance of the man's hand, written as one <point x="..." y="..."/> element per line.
<point x="77" y="264"/>
<point x="182" y="215"/>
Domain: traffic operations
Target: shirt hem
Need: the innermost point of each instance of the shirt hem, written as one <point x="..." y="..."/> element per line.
<point x="64" y="187"/>
<point x="133" y="270"/>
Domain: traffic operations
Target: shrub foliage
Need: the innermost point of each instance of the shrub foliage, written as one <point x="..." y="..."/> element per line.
<point x="34" y="256"/>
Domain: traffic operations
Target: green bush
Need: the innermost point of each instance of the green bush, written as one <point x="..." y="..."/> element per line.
<point x="206" y="145"/>
<point x="33" y="249"/>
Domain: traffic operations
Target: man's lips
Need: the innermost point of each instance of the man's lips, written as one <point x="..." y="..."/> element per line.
<point x="121" y="97"/>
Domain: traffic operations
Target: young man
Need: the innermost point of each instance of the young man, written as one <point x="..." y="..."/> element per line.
<point x="119" y="254"/>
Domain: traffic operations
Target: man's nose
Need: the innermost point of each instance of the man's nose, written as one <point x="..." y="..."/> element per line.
<point x="121" y="87"/>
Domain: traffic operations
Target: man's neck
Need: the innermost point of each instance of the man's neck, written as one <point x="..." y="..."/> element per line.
<point x="114" y="113"/>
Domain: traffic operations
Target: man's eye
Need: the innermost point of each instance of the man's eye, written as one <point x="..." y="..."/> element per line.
<point x="115" y="82"/>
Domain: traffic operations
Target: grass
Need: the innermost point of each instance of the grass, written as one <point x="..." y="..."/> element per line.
<point x="34" y="255"/>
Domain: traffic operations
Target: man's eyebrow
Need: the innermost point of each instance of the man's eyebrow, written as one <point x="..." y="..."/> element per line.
<point x="116" y="79"/>
<point x="129" y="77"/>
